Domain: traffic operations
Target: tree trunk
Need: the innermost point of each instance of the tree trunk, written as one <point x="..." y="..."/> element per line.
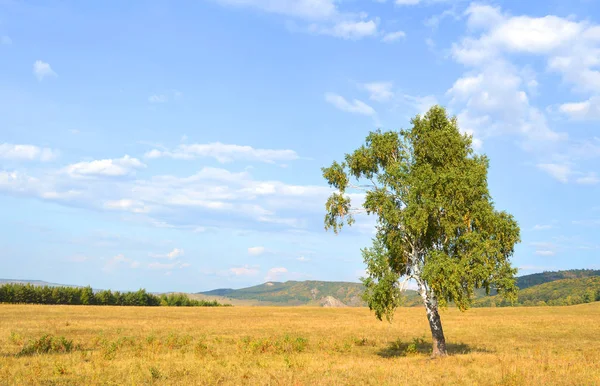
<point x="435" y="323"/>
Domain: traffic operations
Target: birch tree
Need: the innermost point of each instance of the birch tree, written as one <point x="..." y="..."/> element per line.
<point x="436" y="221"/>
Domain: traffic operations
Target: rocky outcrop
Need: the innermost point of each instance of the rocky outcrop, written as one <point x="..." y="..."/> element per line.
<point x="330" y="301"/>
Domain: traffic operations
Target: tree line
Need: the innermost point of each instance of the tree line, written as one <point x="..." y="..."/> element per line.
<point x="30" y="294"/>
<point x="566" y="292"/>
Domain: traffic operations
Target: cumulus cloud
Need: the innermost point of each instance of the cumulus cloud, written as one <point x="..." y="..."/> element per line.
<point x="544" y="252"/>
<point x="407" y="2"/>
<point x="305" y="9"/>
<point x="106" y="167"/>
<point x="393" y="36"/>
<point x="174" y="254"/>
<point x="379" y="91"/>
<point x="275" y="274"/>
<point x="43" y="70"/>
<point x="588" y="179"/>
<point x="118" y="261"/>
<point x="559" y="172"/>
<point x="127" y="205"/>
<point x="495" y="102"/>
<point x="495" y="95"/>
<point x="586" y="110"/>
<point x="11" y="151"/>
<point x="224" y="153"/>
<point x="212" y="197"/>
<point x="355" y="107"/>
<point x="243" y="271"/>
<point x="352" y="30"/>
<point x="321" y="16"/>
<point x="256" y="251"/>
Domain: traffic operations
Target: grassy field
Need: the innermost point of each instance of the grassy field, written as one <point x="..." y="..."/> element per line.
<point x="296" y="346"/>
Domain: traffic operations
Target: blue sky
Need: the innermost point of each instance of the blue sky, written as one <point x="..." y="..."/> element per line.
<point x="179" y="146"/>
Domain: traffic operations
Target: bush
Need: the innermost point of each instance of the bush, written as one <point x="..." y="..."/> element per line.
<point x="47" y="344"/>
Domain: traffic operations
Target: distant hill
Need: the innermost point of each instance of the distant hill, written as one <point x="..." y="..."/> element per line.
<point x="546" y="277"/>
<point x="553" y="293"/>
<point x="39" y="283"/>
<point x="295" y="293"/>
<point x="561" y="287"/>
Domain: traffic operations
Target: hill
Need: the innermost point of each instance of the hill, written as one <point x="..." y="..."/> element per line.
<point x="554" y="293"/>
<point x="527" y="281"/>
<point x="39" y="283"/>
<point x="294" y="293"/>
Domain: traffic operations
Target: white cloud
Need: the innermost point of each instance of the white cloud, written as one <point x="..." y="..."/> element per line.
<point x="5" y="40"/>
<point x="421" y="104"/>
<point x="588" y="179"/>
<point x="352" y="30"/>
<point x="324" y="16"/>
<point x="27" y="153"/>
<point x="407" y="2"/>
<point x="305" y="9"/>
<point x="256" y="251"/>
<point x="42" y="70"/>
<point x="210" y="198"/>
<point x="243" y="271"/>
<point x="379" y="91"/>
<point x="393" y="36"/>
<point x="544" y="252"/>
<point x="118" y="260"/>
<point x="275" y="273"/>
<point x="571" y="48"/>
<point x="586" y="110"/>
<point x="224" y="153"/>
<point x="356" y="107"/>
<point x="541" y="227"/>
<point x="175" y="253"/>
<point x="303" y="259"/>
<point x="127" y="205"/>
<point x="559" y="172"/>
<point x="106" y="167"/>
<point x="494" y="102"/>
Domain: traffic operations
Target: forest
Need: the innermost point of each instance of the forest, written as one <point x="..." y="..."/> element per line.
<point x="30" y="294"/>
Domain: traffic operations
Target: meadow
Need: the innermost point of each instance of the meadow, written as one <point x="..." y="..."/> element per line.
<point x="93" y="345"/>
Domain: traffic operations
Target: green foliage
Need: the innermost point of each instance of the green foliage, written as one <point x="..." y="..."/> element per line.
<point x="47" y="344"/>
<point x="564" y="292"/>
<point x="436" y="222"/>
<point x="545" y="277"/>
<point x="296" y="293"/>
<point x="382" y="288"/>
<point x="27" y="293"/>
<point x="155" y="373"/>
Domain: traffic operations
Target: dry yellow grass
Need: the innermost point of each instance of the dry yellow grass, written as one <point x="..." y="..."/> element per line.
<point x="299" y="346"/>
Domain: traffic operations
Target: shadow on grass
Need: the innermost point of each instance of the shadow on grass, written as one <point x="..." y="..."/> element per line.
<point x="417" y="346"/>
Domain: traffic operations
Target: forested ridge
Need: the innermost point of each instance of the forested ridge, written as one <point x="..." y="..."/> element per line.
<point x="31" y="294"/>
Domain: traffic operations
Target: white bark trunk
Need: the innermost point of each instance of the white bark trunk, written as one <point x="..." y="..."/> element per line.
<point x="431" y="307"/>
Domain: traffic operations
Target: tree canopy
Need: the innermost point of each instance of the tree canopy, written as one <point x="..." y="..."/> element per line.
<point x="436" y="221"/>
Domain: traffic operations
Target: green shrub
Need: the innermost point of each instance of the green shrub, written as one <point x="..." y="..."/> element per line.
<point x="47" y="344"/>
